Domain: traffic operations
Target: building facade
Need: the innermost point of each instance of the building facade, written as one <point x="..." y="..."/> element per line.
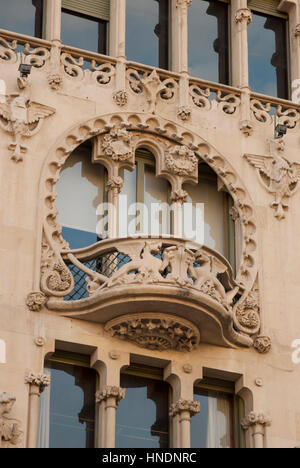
<point x="124" y="322"/>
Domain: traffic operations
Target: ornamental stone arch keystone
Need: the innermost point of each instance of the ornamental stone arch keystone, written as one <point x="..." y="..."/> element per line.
<point x="177" y="151"/>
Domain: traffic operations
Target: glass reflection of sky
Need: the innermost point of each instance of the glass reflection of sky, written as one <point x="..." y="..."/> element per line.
<point x="203" y="31"/>
<point x="19" y="16"/>
<point x="141" y="41"/>
<point x="261" y="44"/>
<point x="79" y="32"/>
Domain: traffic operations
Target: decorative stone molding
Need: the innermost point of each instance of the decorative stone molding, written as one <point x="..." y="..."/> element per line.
<point x="55" y="81"/>
<point x="254" y="419"/>
<point x="234" y="213"/>
<point x="35" y="301"/>
<point x="181" y="161"/>
<point x="243" y="15"/>
<point x="8" y="51"/>
<point x="117" y="145"/>
<point x="263" y="344"/>
<point x="111" y="392"/>
<point x="120" y="97"/>
<point x="297" y="30"/>
<point x="277" y="175"/>
<point x="150" y="84"/>
<point x="187" y="368"/>
<point x="39" y="380"/>
<point x="193" y="407"/>
<point x="184" y="113"/>
<point x="247" y="312"/>
<point x="40" y="341"/>
<point x="23" y="119"/>
<point x="57" y="280"/>
<point x="115" y="183"/>
<point x="157" y="332"/>
<point x="10" y="432"/>
<point x="180" y="196"/>
<point x="246" y="127"/>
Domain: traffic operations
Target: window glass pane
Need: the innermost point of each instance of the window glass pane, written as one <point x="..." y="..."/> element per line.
<point x="22" y="16"/>
<point x="147" y="32"/>
<point x="206" y="193"/>
<point x="72" y="406"/>
<point x="212" y="427"/>
<point x="208" y="40"/>
<point x="267" y="46"/>
<point x="81" y="189"/>
<point x="156" y="202"/>
<point x="142" y="417"/>
<point x="83" y="33"/>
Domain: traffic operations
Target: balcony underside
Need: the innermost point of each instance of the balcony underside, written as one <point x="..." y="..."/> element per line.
<point x="212" y="319"/>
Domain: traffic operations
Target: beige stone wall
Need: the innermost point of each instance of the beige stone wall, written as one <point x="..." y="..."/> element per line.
<point x="272" y="379"/>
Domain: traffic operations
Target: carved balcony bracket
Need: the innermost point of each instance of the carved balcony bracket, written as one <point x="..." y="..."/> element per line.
<point x="277" y="175"/>
<point x="11" y="435"/>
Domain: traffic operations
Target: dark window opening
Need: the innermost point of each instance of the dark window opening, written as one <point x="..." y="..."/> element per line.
<point x="147" y="38"/>
<point x="84" y="32"/>
<point x="268" y="51"/>
<point x="208" y="40"/>
<point x="23" y="16"/>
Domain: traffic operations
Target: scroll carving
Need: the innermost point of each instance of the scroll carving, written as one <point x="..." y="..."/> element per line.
<point x="7" y="51"/>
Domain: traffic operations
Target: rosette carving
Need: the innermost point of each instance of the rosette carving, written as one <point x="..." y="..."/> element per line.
<point x="35" y="301"/>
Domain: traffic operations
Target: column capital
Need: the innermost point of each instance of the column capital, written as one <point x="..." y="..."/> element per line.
<point x="193" y="407"/>
<point x="183" y="3"/>
<point x="243" y="15"/>
<point x="256" y="419"/>
<point x="38" y="380"/>
<point x="110" y="392"/>
<point x="297" y="30"/>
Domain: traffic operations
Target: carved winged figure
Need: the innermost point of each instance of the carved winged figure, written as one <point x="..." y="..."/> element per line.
<point x="279" y="177"/>
<point x="22" y="118"/>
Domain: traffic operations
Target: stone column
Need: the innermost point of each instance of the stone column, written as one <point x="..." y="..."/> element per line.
<point x="178" y="198"/>
<point x="117" y="43"/>
<point x="53" y="20"/>
<point x="185" y="409"/>
<point x="240" y="19"/>
<point x="182" y="379"/>
<point x="109" y="399"/>
<point x="108" y="364"/>
<point x="257" y="423"/>
<point x="37" y="384"/>
<point x="113" y="187"/>
<point x="180" y="35"/>
<point x="292" y="7"/>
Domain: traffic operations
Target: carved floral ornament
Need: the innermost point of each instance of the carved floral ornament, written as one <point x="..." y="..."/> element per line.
<point x="111" y="392"/>
<point x="255" y="419"/>
<point x="10" y="428"/>
<point x="39" y="380"/>
<point x="243" y="15"/>
<point x="193" y="407"/>
<point x="117" y="137"/>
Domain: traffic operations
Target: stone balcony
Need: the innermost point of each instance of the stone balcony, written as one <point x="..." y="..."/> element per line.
<point x="159" y="293"/>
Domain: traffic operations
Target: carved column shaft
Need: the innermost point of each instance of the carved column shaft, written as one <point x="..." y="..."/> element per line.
<point x="117" y="26"/>
<point x="37" y="384"/>
<point x="241" y="17"/>
<point x="182" y="411"/>
<point x="180" y="35"/>
<point x="53" y="20"/>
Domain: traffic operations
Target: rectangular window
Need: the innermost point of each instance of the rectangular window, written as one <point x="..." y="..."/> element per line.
<point x="85" y="24"/>
<point x="147" y="26"/>
<point x="23" y="16"/>
<point x="268" y="53"/>
<point x="67" y="407"/>
<point x="208" y="24"/>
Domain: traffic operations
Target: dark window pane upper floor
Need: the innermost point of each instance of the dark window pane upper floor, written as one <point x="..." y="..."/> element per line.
<point x="208" y="40"/>
<point x="22" y="16"/>
<point x="268" y="55"/>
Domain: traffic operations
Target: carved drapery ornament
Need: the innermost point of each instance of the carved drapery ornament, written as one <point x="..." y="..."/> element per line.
<point x="38" y="380"/>
<point x="10" y="428"/>
<point x="110" y="392"/>
<point x="22" y="118"/>
<point x="193" y="407"/>
<point x="279" y="176"/>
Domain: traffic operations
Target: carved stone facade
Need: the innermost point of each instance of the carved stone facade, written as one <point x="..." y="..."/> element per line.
<point x="166" y="301"/>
